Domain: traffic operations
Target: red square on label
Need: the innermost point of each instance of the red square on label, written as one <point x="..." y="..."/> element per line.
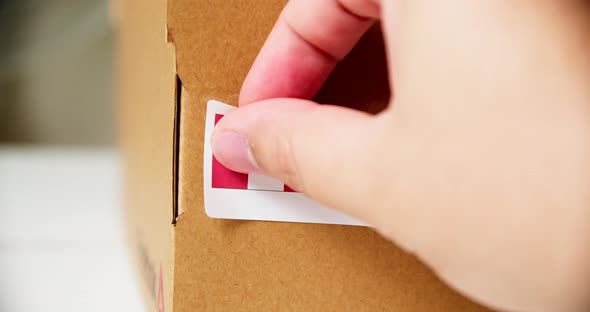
<point x="225" y="178"/>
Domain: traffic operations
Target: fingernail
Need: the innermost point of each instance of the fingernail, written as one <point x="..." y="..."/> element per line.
<point x="233" y="150"/>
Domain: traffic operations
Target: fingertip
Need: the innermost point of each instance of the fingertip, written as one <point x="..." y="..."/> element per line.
<point x="246" y="96"/>
<point x="232" y="149"/>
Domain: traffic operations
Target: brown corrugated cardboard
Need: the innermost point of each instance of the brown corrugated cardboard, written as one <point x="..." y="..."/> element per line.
<point x="146" y="95"/>
<point x="210" y="264"/>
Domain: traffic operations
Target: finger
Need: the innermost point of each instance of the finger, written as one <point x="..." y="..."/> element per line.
<point x="307" y="41"/>
<point x="323" y="151"/>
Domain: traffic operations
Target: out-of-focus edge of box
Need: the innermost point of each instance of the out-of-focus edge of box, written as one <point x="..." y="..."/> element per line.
<point x="225" y="265"/>
<point x="147" y="97"/>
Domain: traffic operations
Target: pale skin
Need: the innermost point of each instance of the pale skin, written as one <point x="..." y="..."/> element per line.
<point x="480" y="166"/>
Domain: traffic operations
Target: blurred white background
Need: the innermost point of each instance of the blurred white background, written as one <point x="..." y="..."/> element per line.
<point x="62" y="239"/>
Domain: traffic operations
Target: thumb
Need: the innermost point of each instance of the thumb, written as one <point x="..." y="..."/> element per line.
<point x="326" y="152"/>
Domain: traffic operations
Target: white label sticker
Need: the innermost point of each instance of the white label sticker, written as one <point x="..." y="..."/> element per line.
<point x="232" y="195"/>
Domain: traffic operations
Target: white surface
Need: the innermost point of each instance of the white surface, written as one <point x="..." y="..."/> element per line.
<point x="62" y="245"/>
<point x="260" y="182"/>
<point x="259" y="204"/>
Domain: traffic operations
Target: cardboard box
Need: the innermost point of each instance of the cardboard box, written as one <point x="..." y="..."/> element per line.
<point x="172" y="58"/>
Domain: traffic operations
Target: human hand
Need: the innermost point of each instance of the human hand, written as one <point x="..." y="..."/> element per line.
<point x="481" y="164"/>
